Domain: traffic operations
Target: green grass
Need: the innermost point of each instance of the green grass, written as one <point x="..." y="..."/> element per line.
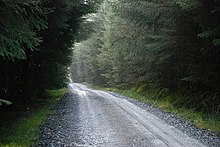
<point x="199" y="119"/>
<point x="24" y="132"/>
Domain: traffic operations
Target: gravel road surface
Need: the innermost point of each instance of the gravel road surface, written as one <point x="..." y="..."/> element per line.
<point x="93" y="118"/>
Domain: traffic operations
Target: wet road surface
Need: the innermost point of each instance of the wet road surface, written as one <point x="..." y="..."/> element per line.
<point x="91" y="118"/>
<point x="110" y="121"/>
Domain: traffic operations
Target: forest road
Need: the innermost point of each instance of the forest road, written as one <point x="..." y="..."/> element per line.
<point x="99" y="119"/>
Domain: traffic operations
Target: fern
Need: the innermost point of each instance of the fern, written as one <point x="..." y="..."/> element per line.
<point x="5" y="102"/>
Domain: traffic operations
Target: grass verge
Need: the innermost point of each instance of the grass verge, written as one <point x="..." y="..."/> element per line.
<point x="23" y="131"/>
<point x="202" y="121"/>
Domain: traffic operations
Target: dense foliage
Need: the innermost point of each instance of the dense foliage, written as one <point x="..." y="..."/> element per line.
<point x="165" y="45"/>
<point x="36" y="39"/>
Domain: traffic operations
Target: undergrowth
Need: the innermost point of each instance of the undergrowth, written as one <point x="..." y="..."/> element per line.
<point x="23" y="131"/>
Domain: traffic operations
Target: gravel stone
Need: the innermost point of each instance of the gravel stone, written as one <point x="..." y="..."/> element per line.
<point x="84" y="118"/>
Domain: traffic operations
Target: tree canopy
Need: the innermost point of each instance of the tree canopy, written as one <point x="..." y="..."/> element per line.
<point x="36" y="40"/>
<point x="170" y="45"/>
